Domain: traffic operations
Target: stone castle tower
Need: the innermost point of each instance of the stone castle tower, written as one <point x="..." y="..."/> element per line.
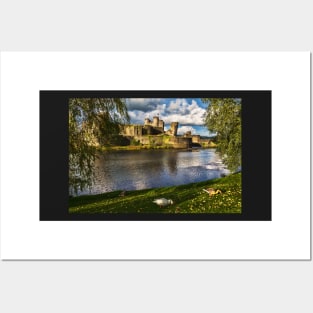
<point x="174" y="127"/>
<point x="156" y="123"/>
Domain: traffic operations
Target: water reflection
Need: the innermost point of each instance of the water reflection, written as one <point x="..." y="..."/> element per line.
<point x="134" y="170"/>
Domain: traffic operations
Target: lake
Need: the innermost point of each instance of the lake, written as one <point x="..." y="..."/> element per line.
<point x="134" y="170"/>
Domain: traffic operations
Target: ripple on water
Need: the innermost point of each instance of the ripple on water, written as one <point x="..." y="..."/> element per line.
<point x="135" y="170"/>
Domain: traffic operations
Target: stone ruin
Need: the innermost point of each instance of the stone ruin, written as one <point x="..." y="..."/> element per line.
<point x="150" y="133"/>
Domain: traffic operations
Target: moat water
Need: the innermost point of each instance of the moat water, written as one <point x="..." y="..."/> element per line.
<point x="135" y="170"/>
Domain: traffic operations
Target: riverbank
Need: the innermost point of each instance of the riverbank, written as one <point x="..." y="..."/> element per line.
<point x="190" y="198"/>
<point x="147" y="147"/>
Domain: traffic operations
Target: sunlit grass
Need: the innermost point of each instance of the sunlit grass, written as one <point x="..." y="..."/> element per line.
<point x="188" y="198"/>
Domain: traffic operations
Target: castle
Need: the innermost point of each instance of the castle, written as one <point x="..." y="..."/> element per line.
<point x="152" y="134"/>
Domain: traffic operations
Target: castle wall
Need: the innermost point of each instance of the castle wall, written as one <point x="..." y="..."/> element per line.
<point x="181" y="142"/>
<point x="151" y="140"/>
<point x="151" y="132"/>
<point x="148" y="130"/>
<point x="165" y="141"/>
<point x="138" y="130"/>
<point x="157" y="130"/>
<point x="205" y="141"/>
<point x="132" y="130"/>
<point x="128" y="130"/>
<point x="196" y="139"/>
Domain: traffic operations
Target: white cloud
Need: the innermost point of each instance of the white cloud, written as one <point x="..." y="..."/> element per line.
<point x="179" y="110"/>
<point x="183" y="129"/>
<point x="137" y="117"/>
<point x="143" y="104"/>
<point x="183" y="111"/>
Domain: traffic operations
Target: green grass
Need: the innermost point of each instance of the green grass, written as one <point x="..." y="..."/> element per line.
<point x="187" y="199"/>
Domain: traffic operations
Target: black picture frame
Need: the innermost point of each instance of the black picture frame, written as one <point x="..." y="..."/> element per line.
<point x="256" y="154"/>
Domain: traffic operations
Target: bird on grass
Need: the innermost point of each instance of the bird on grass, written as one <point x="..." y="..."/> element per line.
<point x="163" y="202"/>
<point x="212" y="191"/>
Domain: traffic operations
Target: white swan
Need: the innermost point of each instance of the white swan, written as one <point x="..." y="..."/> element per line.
<point x="163" y="202"/>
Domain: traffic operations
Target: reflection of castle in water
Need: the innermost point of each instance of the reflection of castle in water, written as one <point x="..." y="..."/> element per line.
<point x="152" y="133"/>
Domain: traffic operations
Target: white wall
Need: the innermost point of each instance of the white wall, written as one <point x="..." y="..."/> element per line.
<point x="208" y="286"/>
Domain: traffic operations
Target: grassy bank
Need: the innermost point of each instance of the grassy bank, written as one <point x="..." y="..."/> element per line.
<point x="187" y="199"/>
<point x="145" y="147"/>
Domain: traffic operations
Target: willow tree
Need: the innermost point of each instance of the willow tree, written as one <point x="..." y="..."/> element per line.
<point x="224" y="118"/>
<point x="92" y="122"/>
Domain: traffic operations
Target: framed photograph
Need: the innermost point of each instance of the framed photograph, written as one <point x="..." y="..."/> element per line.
<point x="155" y="156"/>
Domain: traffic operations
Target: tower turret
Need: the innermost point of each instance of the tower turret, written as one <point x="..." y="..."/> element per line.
<point x="155" y="121"/>
<point x="147" y="121"/>
<point x="161" y="124"/>
<point x="174" y="126"/>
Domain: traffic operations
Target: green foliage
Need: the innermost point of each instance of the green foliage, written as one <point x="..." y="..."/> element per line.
<point x="134" y="142"/>
<point x="92" y="121"/>
<point x="224" y="118"/>
<point x="188" y="198"/>
<point x="118" y="140"/>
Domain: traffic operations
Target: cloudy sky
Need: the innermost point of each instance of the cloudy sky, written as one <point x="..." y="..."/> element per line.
<point x="188" y="112"/>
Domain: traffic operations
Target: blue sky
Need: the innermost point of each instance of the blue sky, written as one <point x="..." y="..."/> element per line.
<point x="188" y="112"/>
